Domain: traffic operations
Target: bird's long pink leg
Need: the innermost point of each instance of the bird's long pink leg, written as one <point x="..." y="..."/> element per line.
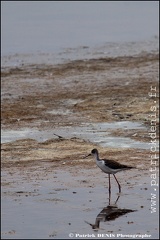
<point x="109" y="183"/>
<point x="118" y="183"/>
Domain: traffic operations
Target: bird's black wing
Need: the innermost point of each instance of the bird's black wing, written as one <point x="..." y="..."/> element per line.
<point x="115" y="165"/>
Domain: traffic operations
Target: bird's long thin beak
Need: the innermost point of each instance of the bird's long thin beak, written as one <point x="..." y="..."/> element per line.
<point x="87" y="155"/>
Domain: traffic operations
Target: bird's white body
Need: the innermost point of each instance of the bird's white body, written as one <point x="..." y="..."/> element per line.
<point x="101" y="164"/>
<point x="104" y="168"/>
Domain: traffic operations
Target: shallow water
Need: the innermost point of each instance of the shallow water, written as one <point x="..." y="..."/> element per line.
<point x="98" y="133"/>
<point x="60" y="204"/>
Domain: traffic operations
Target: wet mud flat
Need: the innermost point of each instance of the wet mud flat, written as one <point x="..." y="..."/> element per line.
<point x="49" y="203"/>
<point x="53" y="115"/>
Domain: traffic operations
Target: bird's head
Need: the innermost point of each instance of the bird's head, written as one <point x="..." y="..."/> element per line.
<point x="92" y="153"/>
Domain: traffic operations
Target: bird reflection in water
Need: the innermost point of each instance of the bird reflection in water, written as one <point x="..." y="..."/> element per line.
<point x="109" y="213"/>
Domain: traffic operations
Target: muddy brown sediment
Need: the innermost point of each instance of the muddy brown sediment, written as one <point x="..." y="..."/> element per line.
<point x="68" y="94"/>
<point x="105" y="90"/>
